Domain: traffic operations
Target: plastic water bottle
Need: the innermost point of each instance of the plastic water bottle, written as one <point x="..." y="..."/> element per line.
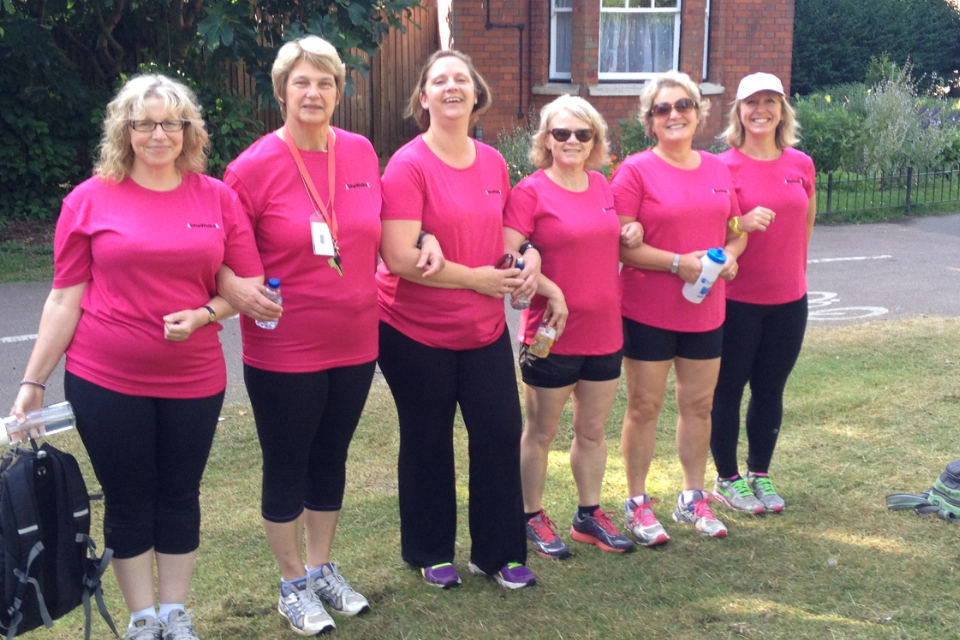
<point x="519" y="302"/>
<point x="273" y="294"/>
<point x="712" y="263"/>
<point x="543" y="341"/>
<point x="55" y="418"/>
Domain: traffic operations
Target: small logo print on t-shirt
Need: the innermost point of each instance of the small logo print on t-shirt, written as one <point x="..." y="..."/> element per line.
<point x="359" y="185"/>
<point x="721" y="191"/>
<point x="202" y="225"/>
<point x="609" y="208"/>
<point x="794" y="180"/>
<point x="493" y="192"/>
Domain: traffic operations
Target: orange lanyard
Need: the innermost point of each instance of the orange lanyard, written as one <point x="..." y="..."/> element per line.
<point x="329" y="217"/>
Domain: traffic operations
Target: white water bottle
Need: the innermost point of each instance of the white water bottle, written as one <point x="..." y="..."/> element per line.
<point x="712" y="263"/>
<point x="273" y="294"/>
<point x="47" y="421"/>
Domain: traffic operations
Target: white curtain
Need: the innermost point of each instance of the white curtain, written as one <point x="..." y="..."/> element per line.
<point x="636" y="42"/>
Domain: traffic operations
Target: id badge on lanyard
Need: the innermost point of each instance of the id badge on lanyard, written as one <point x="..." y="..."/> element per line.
<point x="320" y="234"/>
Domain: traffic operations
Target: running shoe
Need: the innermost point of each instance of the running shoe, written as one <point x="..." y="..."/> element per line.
<point x="179" y="627"/>
<point x="698" y="513"/>
<point x="513" y="575"/>
<point x="543" y="534"/>
<point x="332" y="589"/>
<point x="444" y="576"/>
<point x="598" y="529"/>
<point x="737" y="495"/>
<point x="144" y="629"/>
<point x="302" y="608"/>
<point x="641" y="522"/>
<point x="764" y="491"/>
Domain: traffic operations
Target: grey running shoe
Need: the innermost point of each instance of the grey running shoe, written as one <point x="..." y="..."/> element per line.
<point x="144" y="629"/>
<point x="698" y="513"/>
<point x="598" y="529"/>
<point x="337" y="592"/>
<point x="512" y="575"/>
<point x="737" y="495"/>
<point x="543" y="534"/>
<point x="764" y="491"/>
<point x="444" y="575"/>
<point x="641" y="522"/>
<point x="179" y="627"/>
<point x="302" y="608"/>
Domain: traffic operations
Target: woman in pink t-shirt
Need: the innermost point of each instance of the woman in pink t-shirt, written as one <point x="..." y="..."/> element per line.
<point x="567" y="213"/>
<point x="767" y="303"/>
<point x="443" y="339"/>
<point x="684" y="199"/>
<point x="134" y="306"/>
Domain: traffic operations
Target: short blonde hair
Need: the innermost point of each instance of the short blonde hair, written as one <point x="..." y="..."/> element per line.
<point x="484" y="98"/>
<point x="115" y="157"/>
<point x="787" y="134"/>
<point x="576" y="106"/>
<point x="314" y="50"/>
<point x="663" y="81"/>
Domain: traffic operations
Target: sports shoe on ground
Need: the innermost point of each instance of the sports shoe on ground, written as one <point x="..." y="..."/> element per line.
<point x="598" y="529"/>
<point x="698" y="513"/>
<point x="764" y="491"/>
<point x="443" y="575"/>
<point x="543" y="534"/>
<point x="302" y="608"/>
<point x="179" y="627"/>
<point x="737" y="495"/>
<point x="332" y="589"/>
<point x="144" y="629"/>
<point x="512" y="575"/>
<point x="641" y="522"/>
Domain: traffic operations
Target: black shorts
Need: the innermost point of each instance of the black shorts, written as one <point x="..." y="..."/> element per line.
<point x="651" y="344"/>
<point x="556" y="371"/>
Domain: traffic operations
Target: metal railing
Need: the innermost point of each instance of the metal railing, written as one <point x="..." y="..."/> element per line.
<point x="851" y="192"/>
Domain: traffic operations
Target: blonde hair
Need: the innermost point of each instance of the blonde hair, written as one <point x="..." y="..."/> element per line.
<point x="576" y="106"/>
<point x="787" y="134"/>
<point x="484" y="98"/>
<point x="314" y="50"/>
<point x="663" y="81"/>
<point x="115" y="157"/>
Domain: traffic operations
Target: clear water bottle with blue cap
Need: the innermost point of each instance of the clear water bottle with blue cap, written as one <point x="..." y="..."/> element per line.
<point x="712" y="262"/>
<point x="273" y="294"/>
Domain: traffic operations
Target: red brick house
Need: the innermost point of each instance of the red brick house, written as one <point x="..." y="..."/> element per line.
<point x="531" y="51"/>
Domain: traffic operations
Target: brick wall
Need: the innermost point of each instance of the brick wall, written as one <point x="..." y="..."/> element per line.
<point x="746" y="36"/>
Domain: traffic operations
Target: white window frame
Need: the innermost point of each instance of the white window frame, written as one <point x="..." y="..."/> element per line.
<point x="554" y="10"/>
<point x="677" y="11"/>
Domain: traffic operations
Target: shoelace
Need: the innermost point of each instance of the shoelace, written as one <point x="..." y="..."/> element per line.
<point x="337" y="584"/>
<point x="741" y="487"/>
<point x="308" y="602"/>
<point x="644" y="514"/>
<point x="603" y="519"/>
<point x="701" y="508"/>
<point x="147" y="632"/>
<point x="545" y="528"/>
<point x="765" y="484"/>
<point x="180" y="627"/>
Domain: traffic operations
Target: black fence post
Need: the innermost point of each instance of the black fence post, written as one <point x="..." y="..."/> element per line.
<point x="829" y="192"/>
<point x="909" y="184"/>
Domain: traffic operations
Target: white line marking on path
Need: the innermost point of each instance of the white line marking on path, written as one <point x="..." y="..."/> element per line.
<point x="32" y="336"/>
<point x="851" y="259"/>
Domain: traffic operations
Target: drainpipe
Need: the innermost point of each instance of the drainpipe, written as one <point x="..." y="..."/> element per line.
<point x="519" y="26"/>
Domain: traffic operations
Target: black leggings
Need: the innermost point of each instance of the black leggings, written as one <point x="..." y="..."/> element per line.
<point x="761" y="344"/>
<point x="148" y="455"/>
<point x="427" y="384"/>
<point x="305" y="422"/>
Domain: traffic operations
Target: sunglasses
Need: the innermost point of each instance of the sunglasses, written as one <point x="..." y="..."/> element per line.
<point x="664" y="108"/>
<point x="562" y="135"/>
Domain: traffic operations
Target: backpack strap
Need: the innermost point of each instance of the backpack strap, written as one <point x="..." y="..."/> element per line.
<point x="919" y="503"/>
<point x="92" y="583"/>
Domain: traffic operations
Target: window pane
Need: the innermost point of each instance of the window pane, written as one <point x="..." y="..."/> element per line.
<point x="563" y="4"/>
<point x="564" y="43"/>
<point x="636" y="43"/>
<point x="664" y="4"/>
<point x="639" y="4"/>
<point x="615" y="4"/>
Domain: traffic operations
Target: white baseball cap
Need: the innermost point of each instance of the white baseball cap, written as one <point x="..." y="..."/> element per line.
<point x="755" y="82"/>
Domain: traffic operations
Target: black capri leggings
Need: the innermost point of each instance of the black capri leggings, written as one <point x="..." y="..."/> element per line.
<point x="148" y="455"/>
<point x="761" y="344"/>
<point x="305" y="422"/>
<point x="427" y="384"/>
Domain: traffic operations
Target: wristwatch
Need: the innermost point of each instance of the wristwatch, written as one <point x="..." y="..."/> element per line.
<point x="675" y="267"/>
<point x="213" y="314"/>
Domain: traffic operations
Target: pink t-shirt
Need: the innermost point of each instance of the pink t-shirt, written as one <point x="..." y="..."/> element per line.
<point x="773" y="269"/>
<point x="328" y="320"/>
<point x="463" y="208"/>
<point x="145" y="254"/>
<point x="578" y="234"/>
<point x="681" y="211"/>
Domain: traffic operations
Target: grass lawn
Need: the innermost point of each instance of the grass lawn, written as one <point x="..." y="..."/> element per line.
<point x="871" y="410"/>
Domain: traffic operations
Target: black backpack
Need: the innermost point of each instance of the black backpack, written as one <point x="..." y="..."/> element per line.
<point x="48" y="565"/>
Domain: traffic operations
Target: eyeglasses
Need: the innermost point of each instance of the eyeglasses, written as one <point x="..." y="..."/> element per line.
<point x="682" y="106"/>
<point x="562" y="135"/>
<point x="149" y="126"/>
